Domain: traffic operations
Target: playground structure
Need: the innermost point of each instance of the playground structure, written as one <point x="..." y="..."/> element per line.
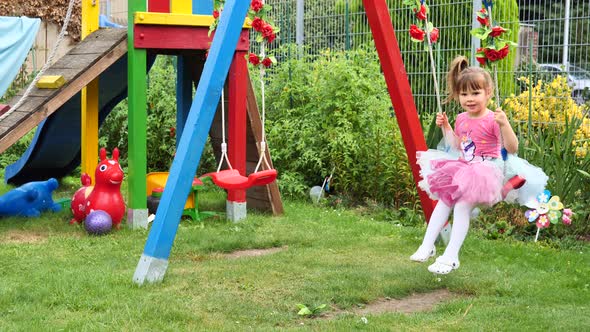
<point x="153" y="263"/>
<point x="176" y="27"/>
<point x="95" y="74"/>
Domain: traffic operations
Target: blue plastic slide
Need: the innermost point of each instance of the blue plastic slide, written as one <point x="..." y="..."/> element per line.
<point x="55" y="149"/>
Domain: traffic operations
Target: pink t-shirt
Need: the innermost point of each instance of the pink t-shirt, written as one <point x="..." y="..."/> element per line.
<point x="478" y="137"/>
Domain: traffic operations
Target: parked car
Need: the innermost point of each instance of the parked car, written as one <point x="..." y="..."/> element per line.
<point x="577" y="78"/>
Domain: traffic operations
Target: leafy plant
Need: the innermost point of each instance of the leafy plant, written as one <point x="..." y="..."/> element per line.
<point x="310" y="311"/>
<point x="335" y="113"/>
<point x="554" y="134"/>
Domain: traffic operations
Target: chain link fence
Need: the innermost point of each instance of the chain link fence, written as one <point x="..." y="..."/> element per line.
<point x="553" y="38"/>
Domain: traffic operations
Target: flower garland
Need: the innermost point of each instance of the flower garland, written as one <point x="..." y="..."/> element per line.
<point x="422" y="27"/>
<point x="265" y="30"/>
<point x="494" y="46"/>
<point x="425" y="32"/>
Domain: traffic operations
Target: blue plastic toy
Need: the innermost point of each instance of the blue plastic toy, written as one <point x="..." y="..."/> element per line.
<point x="30" y="199"/>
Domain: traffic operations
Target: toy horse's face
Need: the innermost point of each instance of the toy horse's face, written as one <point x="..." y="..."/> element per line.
<point x="109" y="171"/>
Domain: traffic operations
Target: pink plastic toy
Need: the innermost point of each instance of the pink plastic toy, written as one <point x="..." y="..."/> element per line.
<point x="105" y="194"/>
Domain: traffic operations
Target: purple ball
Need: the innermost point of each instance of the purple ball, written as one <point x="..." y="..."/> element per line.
<point x="98" y="222"/>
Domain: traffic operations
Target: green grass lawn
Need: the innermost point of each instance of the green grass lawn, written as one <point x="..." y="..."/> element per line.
<point x="53" y="276"/>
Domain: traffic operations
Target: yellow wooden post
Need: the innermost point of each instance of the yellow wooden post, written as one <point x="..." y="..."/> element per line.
<point x="89" y="107"/>
<point x="181" y="6"/>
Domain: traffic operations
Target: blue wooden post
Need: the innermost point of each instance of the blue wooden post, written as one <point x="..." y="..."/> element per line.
<point x="154" y="260"/>
<point x="184" y="93"/>
<point x="184" y="87"/>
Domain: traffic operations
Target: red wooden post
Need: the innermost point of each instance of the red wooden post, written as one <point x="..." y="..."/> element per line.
<point x="399" y="88"/>
<point x="159" y="6"/>
<point x="238" y="83"/>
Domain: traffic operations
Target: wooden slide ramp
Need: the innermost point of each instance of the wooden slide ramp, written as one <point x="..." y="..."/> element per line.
<point x="80" y="66"/>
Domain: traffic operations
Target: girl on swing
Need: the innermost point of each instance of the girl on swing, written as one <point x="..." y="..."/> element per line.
<point x="473" y="172"/>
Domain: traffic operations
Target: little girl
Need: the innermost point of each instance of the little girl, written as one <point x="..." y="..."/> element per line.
<point x="472" y="172"/>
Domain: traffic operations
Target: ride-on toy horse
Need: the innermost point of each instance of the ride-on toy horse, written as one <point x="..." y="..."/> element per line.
<point x="105" y="195"/>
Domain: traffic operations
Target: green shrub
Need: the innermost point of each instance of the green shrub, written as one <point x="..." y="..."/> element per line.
<point x="336" y="113"/>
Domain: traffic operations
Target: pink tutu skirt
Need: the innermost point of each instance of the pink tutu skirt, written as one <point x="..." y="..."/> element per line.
<point x="450" y="179"/>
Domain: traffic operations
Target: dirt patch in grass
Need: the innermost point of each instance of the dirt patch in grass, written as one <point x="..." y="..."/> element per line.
<point x="413" y="303"/>
<point x="17" y="236"/>
<point x="254" y="252"/>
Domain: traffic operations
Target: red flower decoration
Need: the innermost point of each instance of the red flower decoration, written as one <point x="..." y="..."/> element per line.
<point x="421" y="14"/>
<point x="215" y="14"/>
<point x="483" y="17"/>
<point x="497" y="31"/>
<point x="267" y="31"/>
<point x="254" y="59"/>
<point x="492" y="55"/>
<point x="172" y="131"/>
<point x="434" y="35"/>
<point x="258" y="24"/>
<point x="256" y="5"/>
<point x="495" y="55"/>
<point x="267" y="62"/>
<point x="504" y="52"/>
<point x="270" y="38"/>
<point x="416" y="33"/>
<point x="480" y="56"/>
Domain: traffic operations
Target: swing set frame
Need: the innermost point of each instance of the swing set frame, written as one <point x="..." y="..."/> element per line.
<point x="153" y="263"/>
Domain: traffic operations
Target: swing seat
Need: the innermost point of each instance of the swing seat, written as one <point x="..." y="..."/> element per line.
<point x="231" y="179"/>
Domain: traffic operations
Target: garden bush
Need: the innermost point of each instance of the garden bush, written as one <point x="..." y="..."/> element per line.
<point x="335" y="113"/>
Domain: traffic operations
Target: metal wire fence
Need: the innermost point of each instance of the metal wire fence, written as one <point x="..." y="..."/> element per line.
<point x="553" y="38"/>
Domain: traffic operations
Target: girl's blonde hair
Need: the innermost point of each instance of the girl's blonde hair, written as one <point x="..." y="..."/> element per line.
<point x="462" y="77"/>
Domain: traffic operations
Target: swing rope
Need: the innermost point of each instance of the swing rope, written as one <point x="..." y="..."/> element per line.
<point x="516" y="181"/>
<point x="263" y="134"/>
<point x="433" y="66"/>
<point x="223" y="142"/>
<point x="434" y="74"/>
<point x="497" y="90"/>
<point x="48" y="63"/>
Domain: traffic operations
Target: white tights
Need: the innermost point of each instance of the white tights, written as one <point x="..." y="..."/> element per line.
<point x="461" y="215"/>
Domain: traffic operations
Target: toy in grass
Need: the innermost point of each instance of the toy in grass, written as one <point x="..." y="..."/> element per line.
<point x="30" y="199"/>
<point x="105" y="194"/>
<point x="547" y="210"/>
<point x="98" y="222"/>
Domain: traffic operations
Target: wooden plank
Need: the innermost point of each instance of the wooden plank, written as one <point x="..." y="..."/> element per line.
<point x="53" y="102"/>
<point x="76" y="61"/>
<point x="256" y="125"/>
<point x="184" y="19"/>
<point x="258" y="204"/>
<point x="87" y="76"/>
<point x="179" y="38"/>
<point x="100" y="41"/>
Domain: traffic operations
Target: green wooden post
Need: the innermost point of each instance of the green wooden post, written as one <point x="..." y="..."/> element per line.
<point x="137" y="117"/>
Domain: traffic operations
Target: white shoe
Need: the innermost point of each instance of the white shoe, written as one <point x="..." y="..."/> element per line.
<point x="422" y="255"/>
<point x="443" y="265"/>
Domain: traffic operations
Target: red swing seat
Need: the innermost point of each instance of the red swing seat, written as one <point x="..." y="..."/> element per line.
<point x="232" y="180"/>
